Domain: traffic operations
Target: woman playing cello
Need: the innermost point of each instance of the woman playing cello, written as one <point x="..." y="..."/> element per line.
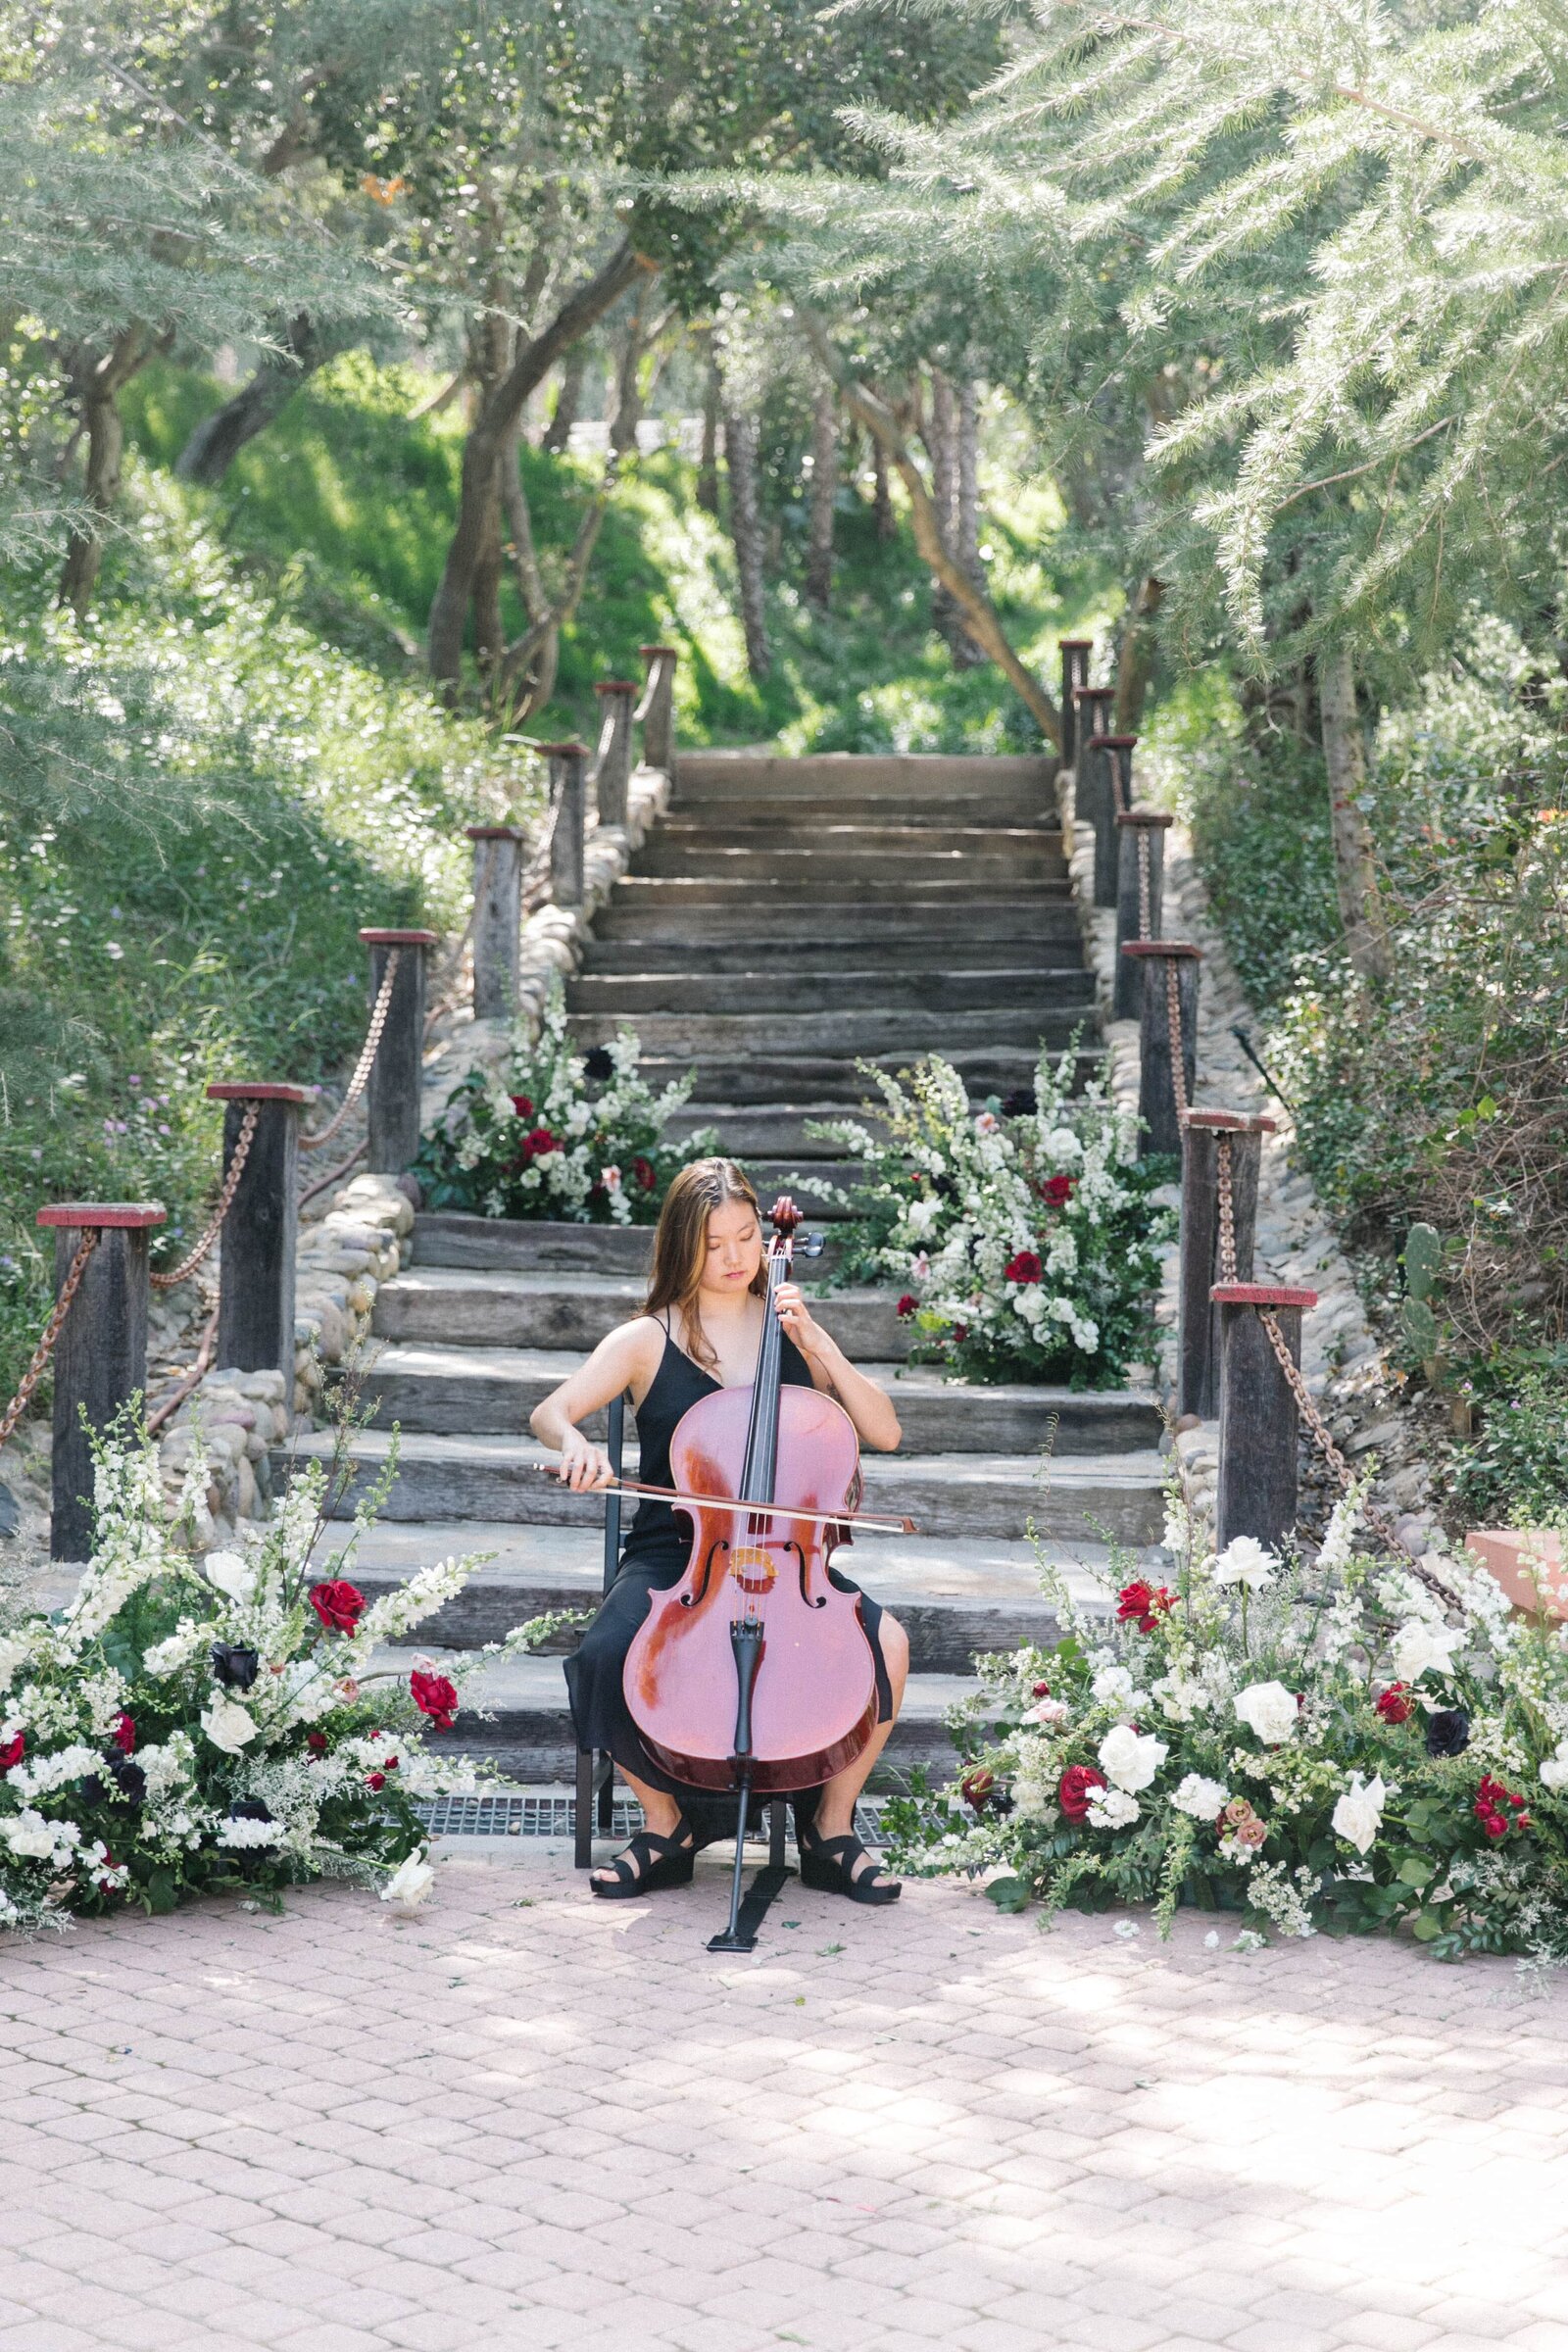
<point x="700" y="1330"/>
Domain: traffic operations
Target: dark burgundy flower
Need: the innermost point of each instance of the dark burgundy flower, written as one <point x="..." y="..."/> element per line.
<point x="907" y="1305"/>
<point x="1448" y="1732"/>
<point x="523" y="1105"/>
<point x="944" y="1188"/>
<point x="1076" y="1787"/>
<point x="539" y="1142"/>
<point x="978" y="1787"/>
<point x="316" y="1741"/>
<point x="1024" y="1268"/>
<point x="13" y="1751"/>
<point x="1021" y="1104"/>
<point x="598" y="1064"/>
<point x="235" y="1667"/>
<point x="1040" y="1690"/>
<point x="434" y="1696"/>
<point x="643" y="1170"/>
<point x="375" y="1780"/>
<point x="1057" y="1189"/>
<point x="128" y="1777"/>
<point x="960" y="1331"/>
<point x="125" y="1734"/>
<point x="338" y="1604"/>
<point x="1144" y="1606"/>
<point x="1395" y="1704"/>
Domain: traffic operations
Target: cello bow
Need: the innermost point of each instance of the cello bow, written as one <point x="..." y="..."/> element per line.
<point x="870" y="1522"/>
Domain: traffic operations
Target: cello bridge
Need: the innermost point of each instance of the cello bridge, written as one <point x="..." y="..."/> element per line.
<point x="754" y="1570"/>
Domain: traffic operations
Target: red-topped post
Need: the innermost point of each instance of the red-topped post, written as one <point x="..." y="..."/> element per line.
<point x="1074" y="653"/>
<point x="256" y="1279"/>
<point x="1139" y="898"/>
<point x="1258" y="1417"/>
<point x="612" y="759"/>
<point x="394" y="1085"/>
<point x="1221" y="1150"/>
<point x="657" y="710"/>
<point x="497" y="918"/>
<point x="1168" y="1038"/>
<point x="568" y="797"/>
<point x="100" y="1357"/>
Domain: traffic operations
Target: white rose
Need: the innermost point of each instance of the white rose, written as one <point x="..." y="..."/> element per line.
<point x="411" y="1881"/>
<point x="1201" y="1799"/>
<point x="227" y="1724"/>
<point x="1418" y="1646"/>
<point x="1112" y="1684"/>
<point x="30" y="1836"/>
<point x="1245" y="1561"/>
<point x="232" y="1574"/>
<point x="1554" y="1770"/>
<point x="1268" y="1710"/>
<point x="1112" y="1809"/>
<point x="1358" y="1815"/>
<point x="1129" y="1759"/>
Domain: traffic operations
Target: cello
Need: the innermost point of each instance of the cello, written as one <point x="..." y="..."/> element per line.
<point x="754" y="1674"/>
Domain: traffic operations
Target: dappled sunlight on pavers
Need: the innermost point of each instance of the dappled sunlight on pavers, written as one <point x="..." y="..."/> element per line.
<point x="526" y="2120"/>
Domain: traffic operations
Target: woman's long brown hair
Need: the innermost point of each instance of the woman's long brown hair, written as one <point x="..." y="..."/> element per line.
<point x="680" y="1245"/>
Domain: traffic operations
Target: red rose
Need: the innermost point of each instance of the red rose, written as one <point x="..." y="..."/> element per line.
<point x="434" y="1696"/>
<point x="1144" y="1604"/>
<point x="389" y="1763"/>
<point x="338" y="1604"/>
<point x="1057" y="1189"/>
<point x="1493" y="1823"/>
<point x="960" y="1331"/>
<point x="978" y="1786"/>
<point x="1025" y="1267"/>
<point x="1040" y="1690"/>
<point x="539" y="1142"/>
<point x="643" y="1170"/>
<point x="907" y="1305"/>
<point x="1395" y="1704"/>
<point x="125" y="1736"/>
<point x="13" y="1751"/>
<point x="1075" y="1789"/>
<point x="522" y="1105"/>
<point x="375" y="1780"/>
<point x="316" y="1741"/>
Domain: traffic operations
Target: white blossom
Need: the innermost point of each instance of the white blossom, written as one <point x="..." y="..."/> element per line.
<point x="411" y="1881"/>
<point x="1112" y="1809"/>
<point x="1358" y="1815"/>
<point x="234" y="1576"/>
<point x="228" y="1724"/>
<point x="1246" y="1562"/>
<point x="1129" y="1759"/>
<point x="1268" y="1710"/>
<point x="1200" y="1798"/>
<point x="1420" y="1647"/>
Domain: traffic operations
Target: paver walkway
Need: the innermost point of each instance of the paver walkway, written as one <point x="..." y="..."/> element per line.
<point x="523" y="2121"/>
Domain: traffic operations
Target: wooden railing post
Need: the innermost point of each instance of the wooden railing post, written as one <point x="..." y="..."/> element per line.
<point x="1075" y="653"/>
<point x="100" y="1360"/>
<point x="256" y="1280"/>
<point x="1257" y="1412"/>
<point x="613" y="760"/>
<point x="657" y="710"/>
<point x="1090" y="785"/>
<point x="1116" y="767"/>
<point x="393" y="1093"/>
<point x="1166" y="1083"/>
<point x="497" y="918"/>
<point x="1139" y="898"/>
<point x="568" y="793"/>
<point x="1215" y="1143"/>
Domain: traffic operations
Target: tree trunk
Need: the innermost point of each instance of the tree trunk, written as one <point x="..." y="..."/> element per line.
<point x="481" y="454"/>
<point x="1134" y="659"/>
<point x="745" y="532"/>
<point x="97" y="385"/>
<point x="568" y="400"/>
<point x="707" y="463"/>
<point x="489" y="633"/>
<point x="967" y="515"/>
<point x="1354" y="864"/>
<point x="942" y="440"/>
<point x="219" y="439"/>
<point x="975" y="605"/>
<point x="824" y="494"/>
<point x="881" y="494"/>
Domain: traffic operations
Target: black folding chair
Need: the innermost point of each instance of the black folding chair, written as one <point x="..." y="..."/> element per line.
<point x="595" y="1771"/>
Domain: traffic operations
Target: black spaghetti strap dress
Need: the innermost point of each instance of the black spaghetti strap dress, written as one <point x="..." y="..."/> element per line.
<point x="653" y="1557"/>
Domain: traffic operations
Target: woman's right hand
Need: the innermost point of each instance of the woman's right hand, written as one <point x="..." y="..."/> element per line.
<point x="583" y="1465"/>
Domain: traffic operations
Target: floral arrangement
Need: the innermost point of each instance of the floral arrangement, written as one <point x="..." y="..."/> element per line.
<point x="1344" y="1743"/>
<point x="559" y="1134"/>
<point x="185" y="1725"/>
<point x="1022" y="1237"/>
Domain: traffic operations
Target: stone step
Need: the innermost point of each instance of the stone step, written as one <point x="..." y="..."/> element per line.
<point x="864" y="775"/>
<point x="525" y="1730"/>
<point x="955" y="1600"/>
<point x="1100" y="1497"/>
<point x="1049" y="945"/>
<point x="852" y="1032"/>
<point x="788" y="891"/>
<point x="833" y="1080"/>
<point x="441" y="1388"/>
<point x="654" y="909"/>
<point x="448" y="1307"/>
<point x="801" y="813"/>
<point x="629" y="995"/>
<point x="712" y="829"/>
<point x="770" y="1132"/>
<point x="992" y="859"/>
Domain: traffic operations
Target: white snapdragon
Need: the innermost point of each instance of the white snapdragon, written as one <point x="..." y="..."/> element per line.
<point x="14" y="1651"/>
<point x="408" y="1604"/>
<point x="245" y="1835"/>
<point x="1130" y="1759"/>
<point x="169" y="1656"/>
<point x="1339" y="1536"/>
<point x="36" y="1776"/>
<point x="1201" y="1797"/>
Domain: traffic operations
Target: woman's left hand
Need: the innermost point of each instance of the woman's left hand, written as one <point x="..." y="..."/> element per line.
<point x="813" y="1342"/>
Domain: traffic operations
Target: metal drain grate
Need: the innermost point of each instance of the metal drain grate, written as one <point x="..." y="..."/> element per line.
<point x="522" y="1814"/>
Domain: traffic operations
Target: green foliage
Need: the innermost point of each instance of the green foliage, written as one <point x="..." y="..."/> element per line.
<point x="1514" y="1471"/>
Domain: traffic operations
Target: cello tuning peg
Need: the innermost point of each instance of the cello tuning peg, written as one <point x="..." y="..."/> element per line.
<point x="809" y="1245"/>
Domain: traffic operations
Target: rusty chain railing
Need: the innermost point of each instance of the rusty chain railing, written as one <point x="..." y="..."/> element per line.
<point x="51" y="1332"/>
<point x="1146" y="921"/>
<point x="1177" y="1058"/>
<point x="362" y="1068"/>
<point x="215" y="1223"/>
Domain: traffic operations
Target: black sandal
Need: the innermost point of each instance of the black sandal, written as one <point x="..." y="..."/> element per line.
<point x="659" y="1862"/>
<point x="828" y="1865"/>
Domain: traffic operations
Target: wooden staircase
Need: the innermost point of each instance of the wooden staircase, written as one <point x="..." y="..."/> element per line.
<point x="789" y="919"/>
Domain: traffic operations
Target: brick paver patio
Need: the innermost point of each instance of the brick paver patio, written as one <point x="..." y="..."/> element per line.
<point x="523" y="2120"/>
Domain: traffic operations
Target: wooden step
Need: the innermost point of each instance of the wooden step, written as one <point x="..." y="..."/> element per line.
<point x="863" y="776"/>
<point x="992" y="858"/>
<point x="630" y="996"/>
<point x="925" y="929"/>
<point x="500" y="1307"/>
<point x="830" y="1079"/>
<point x="850" y="1032"/>
<point x="801" y="811"/>
<point x="785" y="893"/>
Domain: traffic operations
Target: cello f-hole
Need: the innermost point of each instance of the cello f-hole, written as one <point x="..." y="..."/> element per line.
<point x="820" y="1602"/>
<point x="689" y="1600"/>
